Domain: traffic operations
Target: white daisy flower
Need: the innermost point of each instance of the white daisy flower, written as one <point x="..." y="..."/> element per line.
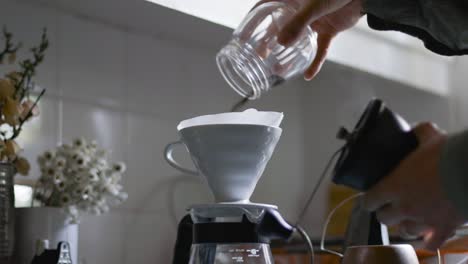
<point x="79" y="143"/>
<point x="48" y="155"/>
<point x="80" y="177"/>
<point x="65" y="199"/>
<point x="61" y="185"/>
<point x="87" y="192"/>
<point x="80" y="160"/>
<point x="50" y="172"/>
<point x="58" y="178"/>
<point x="119" y="167"/>
<point x="93" y="175"/>
<point x="78" y="192"/>
<point x="60" y="162"/>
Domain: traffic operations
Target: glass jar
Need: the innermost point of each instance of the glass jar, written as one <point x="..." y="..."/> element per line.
<point x="253" y="61"/>
<point x="7" y="210"/>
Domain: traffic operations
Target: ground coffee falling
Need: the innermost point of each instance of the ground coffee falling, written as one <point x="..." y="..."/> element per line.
<point x="239" y="105"/>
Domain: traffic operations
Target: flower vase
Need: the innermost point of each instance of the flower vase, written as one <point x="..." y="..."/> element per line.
<point x="7" y="217"/>
<point x="43" y="223"/>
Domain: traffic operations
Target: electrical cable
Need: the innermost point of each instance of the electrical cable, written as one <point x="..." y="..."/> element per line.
<point x="306" y="237"/>
<point x="327" y="221"/>
<point x="301" y="230"/>
<point x="317" y="185"/>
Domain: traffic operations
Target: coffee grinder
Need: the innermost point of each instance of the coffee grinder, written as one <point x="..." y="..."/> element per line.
<point x="376" y="145"/>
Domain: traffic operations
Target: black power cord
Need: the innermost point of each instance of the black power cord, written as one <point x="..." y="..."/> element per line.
<point x="301" y="230"/>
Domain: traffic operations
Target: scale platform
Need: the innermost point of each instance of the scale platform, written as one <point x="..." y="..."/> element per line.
<point x="229" y="211"/>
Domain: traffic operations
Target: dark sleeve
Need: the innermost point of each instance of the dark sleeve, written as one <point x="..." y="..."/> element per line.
<point x="441" y="24"/>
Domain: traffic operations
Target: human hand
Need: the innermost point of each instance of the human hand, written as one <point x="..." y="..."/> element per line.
<point x="327" y="18"/>
<point x="412" y="196"/>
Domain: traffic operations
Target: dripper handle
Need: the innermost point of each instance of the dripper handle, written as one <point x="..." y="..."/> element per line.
<point x="168" y="150"/>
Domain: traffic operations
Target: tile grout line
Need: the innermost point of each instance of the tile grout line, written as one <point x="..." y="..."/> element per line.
<point x="58" y="78"/>
<point x="117" y="26"/>
<point x="126" y="108"/>
<point x="125" y="229"/>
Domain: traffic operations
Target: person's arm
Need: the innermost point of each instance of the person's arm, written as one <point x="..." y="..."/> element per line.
<point x="413" y="196"/>
<point x="454" y="170"/>
<point x="441" y="24"/>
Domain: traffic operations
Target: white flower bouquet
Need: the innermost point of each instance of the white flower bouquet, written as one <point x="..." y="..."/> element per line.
<point x="79" y="178"/>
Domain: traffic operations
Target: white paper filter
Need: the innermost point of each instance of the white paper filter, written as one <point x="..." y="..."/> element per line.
<point x="248" y="117"/>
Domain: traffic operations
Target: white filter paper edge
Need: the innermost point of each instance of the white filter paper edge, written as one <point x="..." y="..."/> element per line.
<point x="247" y="117"/>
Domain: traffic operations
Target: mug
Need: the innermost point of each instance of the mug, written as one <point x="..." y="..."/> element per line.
<point x="389" y="254"/>
<point x="370" y="254"/>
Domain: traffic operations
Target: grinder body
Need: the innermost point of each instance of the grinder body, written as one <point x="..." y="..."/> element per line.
<point x="380" y="140"/>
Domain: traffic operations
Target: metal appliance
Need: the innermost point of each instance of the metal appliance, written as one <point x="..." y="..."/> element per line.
<point x="378" y="142"/>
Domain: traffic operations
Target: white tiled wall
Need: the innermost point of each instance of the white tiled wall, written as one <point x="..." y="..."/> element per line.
<point x="459" y="94"/>
<point x="91" y="61"/>
<point x="128" y="91"/>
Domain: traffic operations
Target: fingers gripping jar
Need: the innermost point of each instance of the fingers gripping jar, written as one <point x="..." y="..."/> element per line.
<point x="253" y="61"/>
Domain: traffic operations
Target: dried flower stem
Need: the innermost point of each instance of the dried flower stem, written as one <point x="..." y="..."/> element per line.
<point x="16" y="107"/>
<point x="9" y="48"/>
<point x="17" y="130"/>
<point x="29" y="66"/>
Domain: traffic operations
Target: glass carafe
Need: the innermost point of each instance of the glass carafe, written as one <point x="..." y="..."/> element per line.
<point x="253" y="61"/>
<point x="212" y="253"/>
<point x="231" y="233"/>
